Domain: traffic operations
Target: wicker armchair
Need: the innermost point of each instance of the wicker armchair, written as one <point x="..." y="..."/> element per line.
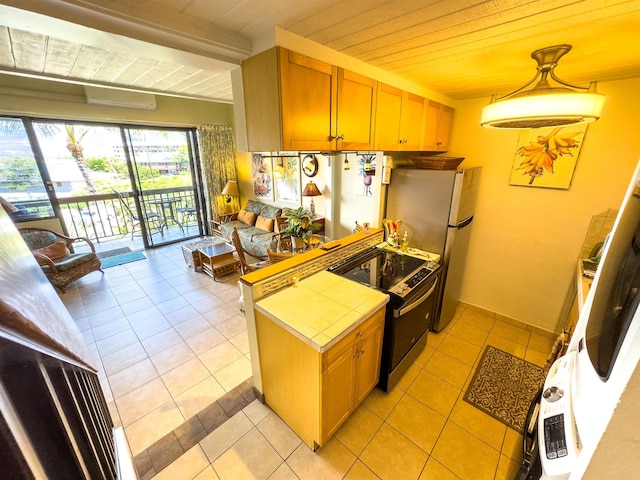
<point x="245" y="266"/>
<point x="52" y="251"/>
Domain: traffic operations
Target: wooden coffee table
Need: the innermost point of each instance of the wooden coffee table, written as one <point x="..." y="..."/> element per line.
<point x="218" y="260"/>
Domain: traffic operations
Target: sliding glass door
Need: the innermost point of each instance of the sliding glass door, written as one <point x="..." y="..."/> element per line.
<point x="113" y="182"/>
<point x="164" y="183"/>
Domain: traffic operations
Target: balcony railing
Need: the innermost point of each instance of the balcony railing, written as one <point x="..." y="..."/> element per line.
<point x="102" y="217"/>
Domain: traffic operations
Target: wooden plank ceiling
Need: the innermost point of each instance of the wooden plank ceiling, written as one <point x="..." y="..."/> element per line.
<point x="460" y="48"/>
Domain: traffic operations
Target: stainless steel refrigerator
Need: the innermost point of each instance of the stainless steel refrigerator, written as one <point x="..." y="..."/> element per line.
<point x="437" y="208"/>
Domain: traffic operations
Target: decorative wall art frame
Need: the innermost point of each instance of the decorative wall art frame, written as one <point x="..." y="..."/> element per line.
<point x="547" y="157"/>
<point x="366" y="174"/>
<point x="262" y="177"/>
<point x="287" y="185"/>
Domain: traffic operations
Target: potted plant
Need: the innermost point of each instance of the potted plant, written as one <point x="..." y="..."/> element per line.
<point x="366" y="169"/>
<point x="300" y="225"/>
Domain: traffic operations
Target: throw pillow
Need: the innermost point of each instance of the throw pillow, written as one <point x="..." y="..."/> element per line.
<point x="264" y="223"/>
<point x="247" y="217"/>
<point x="55" y="251"/>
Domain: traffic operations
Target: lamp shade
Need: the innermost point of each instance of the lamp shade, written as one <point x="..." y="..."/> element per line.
<point x="545" y="110"/>
<point x="231" y="189"/>
<point x="544" y="105"/>
<point x="311" y="190"/>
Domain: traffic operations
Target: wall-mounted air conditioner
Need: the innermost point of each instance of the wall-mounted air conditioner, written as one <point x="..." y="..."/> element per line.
<point x="119" y="98"/>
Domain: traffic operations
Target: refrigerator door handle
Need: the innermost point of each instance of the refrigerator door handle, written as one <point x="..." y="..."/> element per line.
<point x="463" y="224"/>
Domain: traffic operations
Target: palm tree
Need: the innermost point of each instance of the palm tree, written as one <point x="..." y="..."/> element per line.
<point x="75" y="148"/>
<point x="10" y="126"/>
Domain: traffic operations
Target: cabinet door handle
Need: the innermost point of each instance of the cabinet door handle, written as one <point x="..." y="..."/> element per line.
<point x="336" y="137"/>
<point x="403" y="141"/>
<point x="359" y="334"/>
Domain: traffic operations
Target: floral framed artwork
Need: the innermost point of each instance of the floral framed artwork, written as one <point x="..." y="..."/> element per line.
<point x="547" y="157"/>
<point x="288" y="182"/>
<point x="262" y="177"/>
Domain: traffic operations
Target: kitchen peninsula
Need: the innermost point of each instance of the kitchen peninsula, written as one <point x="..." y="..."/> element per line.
<point x="315" y="338"/>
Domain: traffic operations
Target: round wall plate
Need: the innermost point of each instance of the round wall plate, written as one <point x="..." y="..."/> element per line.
<point x="310" y="165"/>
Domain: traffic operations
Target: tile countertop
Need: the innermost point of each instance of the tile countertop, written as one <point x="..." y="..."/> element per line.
<point x="322" y="309"/>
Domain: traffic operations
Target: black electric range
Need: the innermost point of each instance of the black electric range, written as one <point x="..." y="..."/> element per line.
<point x="412" y="284"/>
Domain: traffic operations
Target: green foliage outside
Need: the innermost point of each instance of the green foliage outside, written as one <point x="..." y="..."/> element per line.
<point x="18" y="173"/>
<point x="150" y="179"/>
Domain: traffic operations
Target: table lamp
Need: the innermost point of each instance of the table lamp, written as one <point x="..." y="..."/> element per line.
<point x="231" y="190"/>
<point x="311" y="190"/>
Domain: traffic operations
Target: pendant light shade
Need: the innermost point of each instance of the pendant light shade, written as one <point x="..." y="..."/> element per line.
<point x="544" y="105"/>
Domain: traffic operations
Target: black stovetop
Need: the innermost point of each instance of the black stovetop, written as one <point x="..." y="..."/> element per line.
<point x="384" y="269"/>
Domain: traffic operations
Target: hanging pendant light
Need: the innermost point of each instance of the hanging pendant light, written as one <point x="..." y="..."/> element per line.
<point x="544" y="105"/>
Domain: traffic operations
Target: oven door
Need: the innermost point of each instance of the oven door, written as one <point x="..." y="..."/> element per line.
<point x="412" y="319"/>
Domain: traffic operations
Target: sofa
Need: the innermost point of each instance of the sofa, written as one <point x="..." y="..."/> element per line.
<point x="257" y="226"/>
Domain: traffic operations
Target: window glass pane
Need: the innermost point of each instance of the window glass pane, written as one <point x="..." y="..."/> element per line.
<point x="20" y="180"/>
<point x="161" y="157"/>
<point x="83" y="159"/>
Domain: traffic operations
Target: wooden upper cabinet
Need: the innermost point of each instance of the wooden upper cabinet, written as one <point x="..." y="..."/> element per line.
<point x="437" y="123"/>
<point x="312" y="106"/>
<point x="308" y="102"/>
<point x="399" y="119"/>
<point x="295" y="102"/>
<point x="356" y="111"/>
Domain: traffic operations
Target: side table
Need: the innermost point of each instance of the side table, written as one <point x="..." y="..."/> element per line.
<point x="190" y="250"/>
<point x="218" y="260"/>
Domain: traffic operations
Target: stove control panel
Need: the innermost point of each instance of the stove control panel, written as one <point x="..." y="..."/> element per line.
<point x="410" y="282"/>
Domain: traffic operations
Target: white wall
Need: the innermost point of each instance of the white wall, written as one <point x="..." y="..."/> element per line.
<point x="525" y="241"/>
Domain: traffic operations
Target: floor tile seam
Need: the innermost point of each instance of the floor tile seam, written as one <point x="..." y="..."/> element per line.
<point x="443" y="466"/>
<point x="111" y="387"/>
<point x="437" y="350"/>
<point x="445" y="417"/>
<point x="510" y="329"/>
<point x="476" y="325"/>
<point x="111" y="334"/>
<point x="149" y="355"/>
<point x="210" y="375"/>
<point x="354" y="465"/>
<point x="406" y="438"/>
<point x="435" y="374"/>
<point x="547" y="352"/>
<point x="466" y="340"/>
<point x="458" y="338"/>
<point x="255" y="426"/>
<point x="452" y="420"/>
<point x="357" y="455"/>
<point x="162" y="405"/>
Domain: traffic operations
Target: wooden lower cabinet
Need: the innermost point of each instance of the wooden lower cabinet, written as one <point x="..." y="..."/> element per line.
<point x="313" y="392"/>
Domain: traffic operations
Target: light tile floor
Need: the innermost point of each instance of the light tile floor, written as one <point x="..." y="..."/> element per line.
<point x="168" y="340"/>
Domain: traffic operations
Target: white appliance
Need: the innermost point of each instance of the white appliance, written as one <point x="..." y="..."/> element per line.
<point x="583" y="388"/>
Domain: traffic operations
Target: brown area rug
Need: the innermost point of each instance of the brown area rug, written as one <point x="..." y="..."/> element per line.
<point x="503" y="386"/>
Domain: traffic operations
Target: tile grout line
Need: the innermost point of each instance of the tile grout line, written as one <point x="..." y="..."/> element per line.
<point x="171" y="446"/>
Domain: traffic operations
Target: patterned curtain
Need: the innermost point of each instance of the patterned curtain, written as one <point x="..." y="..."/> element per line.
<point x="218" y="151"/>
